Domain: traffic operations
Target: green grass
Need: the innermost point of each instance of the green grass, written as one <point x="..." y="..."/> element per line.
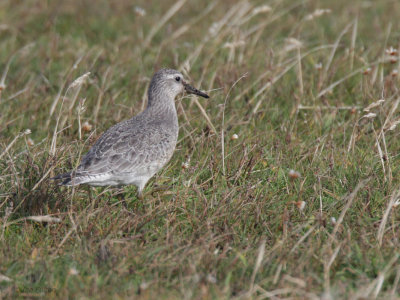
<point x="229" y="225"/>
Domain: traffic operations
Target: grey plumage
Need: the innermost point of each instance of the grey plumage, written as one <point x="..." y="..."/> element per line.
<point x="132" y="151"/>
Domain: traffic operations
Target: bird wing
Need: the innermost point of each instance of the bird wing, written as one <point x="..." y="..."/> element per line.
<point x="124" y="148"/>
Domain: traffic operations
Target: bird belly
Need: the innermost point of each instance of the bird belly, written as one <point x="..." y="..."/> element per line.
<point x="137" y="177"/>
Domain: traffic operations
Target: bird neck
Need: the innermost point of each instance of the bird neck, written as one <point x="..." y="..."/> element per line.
<point x="160" y="100"/>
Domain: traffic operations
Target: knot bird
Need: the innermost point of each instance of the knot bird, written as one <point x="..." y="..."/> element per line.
<point x="132" y="151"/>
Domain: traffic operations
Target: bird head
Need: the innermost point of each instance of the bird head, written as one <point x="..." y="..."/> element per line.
<point x="172" y="83"/>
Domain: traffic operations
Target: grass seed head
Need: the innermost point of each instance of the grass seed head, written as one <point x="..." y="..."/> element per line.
<point x="80" y="80"/>
<point x="292" y="44"/>
<point x="73" y="271"/>
<point x="234" y="44"/>
<point x="261" y="9"/>
<point x="30" y="142"/>
<point x="186" y="164"/>
<point x="367" y="71"/>
<point x="144" y="285"/>
<point x="369" y="116"/>
<point x="87" y="127"/>
<point x="211" y="278"/>
<point x="373" y="105"/>
<point x="394" y="125"/>
<point x="301" y="205"/>
<point x="294" y="174"/>
<point x="391" y="51"/>
<point x="317" y="13"/>
<point x="141" y="12"/>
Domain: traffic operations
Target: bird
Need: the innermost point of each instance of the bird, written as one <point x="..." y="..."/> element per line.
<point x="134" y="150"/>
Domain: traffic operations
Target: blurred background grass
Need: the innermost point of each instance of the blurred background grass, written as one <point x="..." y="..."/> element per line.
<point x="295" y="76"/>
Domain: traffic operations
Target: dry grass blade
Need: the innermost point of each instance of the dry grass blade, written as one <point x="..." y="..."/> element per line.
<point x="26" y="132"/>
<point x="288" y="66"/>
<point x="7" y="67"/>
<point x="204" y="113"/>
<point x="5" y="72"/>
<point x="39" y="219"/>
<point x="334" y="49"/>
<point x="168" y="15"/>
<point x="389" y="116"/>
<point x="58" y="96"/>
<point x="19" y="93"/>
<point x="302" y="239"/>
<point x="4" y="278"/>
<point x="375" y="286"/>
<point x="44" y="219"/>
<point x="353" y="43"/>
<point x="344" y="78"/>
<point x="274" y="17"/>
<point x="260" y="256"/>
<point x="183" y="29"/>
<point x="394" y="292"/>
<point x="223" y="123"/>
<point x="101" y="90"/>
<point x="349" y="201"/>
<point x="381" y="231"/>
<point x="214" y="32"/>
<point x="76" y="84"/>
<point x="380" y="153"/>
<point x="55" y="102"/>
<point x="300" y="72"/>
<point x="303" y="107"/>
<point x="41" y="179"/>
<point x="327" y="269"/>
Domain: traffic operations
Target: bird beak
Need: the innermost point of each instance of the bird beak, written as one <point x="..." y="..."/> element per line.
<point x="192" y="90"/>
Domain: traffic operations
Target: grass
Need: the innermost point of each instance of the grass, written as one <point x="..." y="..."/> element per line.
<point x="290" y="80"/>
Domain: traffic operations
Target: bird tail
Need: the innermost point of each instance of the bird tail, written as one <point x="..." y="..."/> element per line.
<point x="65" y="178"/>
<point x="70" y="179"/>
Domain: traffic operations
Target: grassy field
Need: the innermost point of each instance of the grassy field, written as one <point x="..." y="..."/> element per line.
<point x="284" y="184"/>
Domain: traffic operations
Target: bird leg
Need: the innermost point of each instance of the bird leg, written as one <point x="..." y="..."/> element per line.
<point x="89" y="192"/>
<point x="140" y="188"/>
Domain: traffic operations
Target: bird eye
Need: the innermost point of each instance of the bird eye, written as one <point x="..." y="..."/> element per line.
<point x="177" y="78"/>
